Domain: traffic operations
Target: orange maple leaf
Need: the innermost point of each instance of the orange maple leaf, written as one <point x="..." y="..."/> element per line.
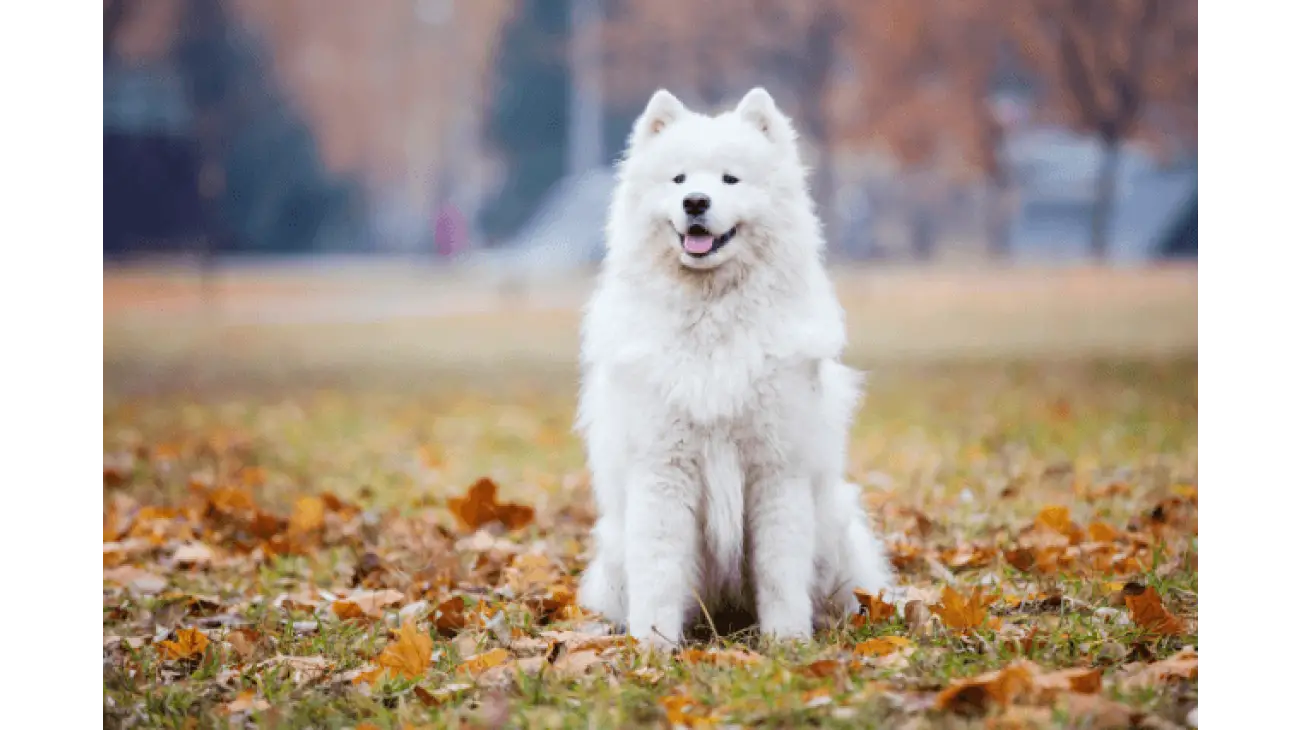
<point x="975" y="695"/>
<point x="881" y="646"/>
<point x="1102" y="532"/>
<point x="1057" y="519"/>
<point x="188" y="643"/>
<point x="876" y="608"/>
<point x="479" y="663"/>
<point x="962" y="613"/>
<point x="410" y="655"/>
<point x="479" y="507"/>
<point x="308" y="515"/>
<point x="347" y="610"/>
<point x="734" y="657"/>
<point x="1149" y="612"/>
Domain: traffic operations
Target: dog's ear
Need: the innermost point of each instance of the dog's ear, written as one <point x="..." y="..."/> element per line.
<point x="759" y="109"/>
<point x="663" y="109"/>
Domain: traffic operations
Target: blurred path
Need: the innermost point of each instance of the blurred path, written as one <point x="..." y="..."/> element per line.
<point x="334" y="314"/>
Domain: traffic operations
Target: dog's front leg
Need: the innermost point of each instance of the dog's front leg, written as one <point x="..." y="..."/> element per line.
<point x="662" y="543"/>
<point x="782" y="524"/>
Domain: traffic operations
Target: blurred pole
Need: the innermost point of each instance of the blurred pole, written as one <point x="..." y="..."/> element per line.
<point x="586" y="105"/>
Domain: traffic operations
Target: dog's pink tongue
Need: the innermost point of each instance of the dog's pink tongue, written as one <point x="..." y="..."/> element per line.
<point x="697" y="244"/>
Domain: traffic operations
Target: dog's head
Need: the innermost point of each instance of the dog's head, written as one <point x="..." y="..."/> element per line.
<point x="701" y="191"/>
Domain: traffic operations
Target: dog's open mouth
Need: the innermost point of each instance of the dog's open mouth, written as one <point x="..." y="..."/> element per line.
<point x="698" y="242"/>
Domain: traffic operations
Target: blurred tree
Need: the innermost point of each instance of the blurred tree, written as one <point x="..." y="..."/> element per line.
<point x="393" y="90"/>
<point x="260" y="170"/>
<point x="528" y="113"/>
<point x="928" y="73"/>
<point x="1111" y="68"/>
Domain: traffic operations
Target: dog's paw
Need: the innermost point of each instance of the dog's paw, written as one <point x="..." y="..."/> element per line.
<point x="799" y="632"/>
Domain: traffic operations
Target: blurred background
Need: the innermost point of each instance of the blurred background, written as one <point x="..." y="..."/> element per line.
<point x="279" y="161"/>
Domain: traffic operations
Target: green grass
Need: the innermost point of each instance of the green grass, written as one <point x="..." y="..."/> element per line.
<point x="980" y="448"/>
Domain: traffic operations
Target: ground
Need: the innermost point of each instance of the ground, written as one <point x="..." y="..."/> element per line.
<point x="316" y="520"/>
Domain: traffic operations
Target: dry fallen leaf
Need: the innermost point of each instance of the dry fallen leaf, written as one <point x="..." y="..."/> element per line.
<point x="347" y="610"/>
<point x="917" y="617"/>
<point x="975" y="695"/>
<point x="1057" y="519"/>
<point x="1182" y="665"/>
<point x="479" y="663"/>
<point x="1149" y="612"/>
<point x="189" y="643"/>
<point x="302" y="669"/>
<point x="1021" y="682"/>
<point x="137" y="579"/>
<point x="308" y="515"/>
<point x="373" y="603"/>
<point x="1102" y="532"/>
<point x="1083" y="680"/>
<point x="684" y="711"/>
<point x="194" y="554"/>
<point x="410" y="655"/>
<point x="247" y="701"/>
<point x="821" y="668"/>
<point x="881" y="646"/>
<point x="442" y="695"/>
<point x="732" y="657"/>
<point x="244" y="642"/>
<point x="875" y="608"/>
<point x="962" y="613"/>
<point x="479" y="507"/>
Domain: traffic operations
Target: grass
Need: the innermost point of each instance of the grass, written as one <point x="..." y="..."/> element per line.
<point x="960" y="453"/>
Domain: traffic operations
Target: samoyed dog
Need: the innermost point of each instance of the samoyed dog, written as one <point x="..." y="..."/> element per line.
<point x="714" y="406"/>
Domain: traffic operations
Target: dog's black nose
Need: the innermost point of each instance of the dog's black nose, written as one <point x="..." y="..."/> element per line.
<point x="696" y="203"/>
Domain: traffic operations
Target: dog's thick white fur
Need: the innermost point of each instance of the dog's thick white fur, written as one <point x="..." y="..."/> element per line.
<point x="714" y="405"/>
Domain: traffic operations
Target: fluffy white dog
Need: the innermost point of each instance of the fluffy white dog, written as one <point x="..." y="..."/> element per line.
<point x="714" y="405"/>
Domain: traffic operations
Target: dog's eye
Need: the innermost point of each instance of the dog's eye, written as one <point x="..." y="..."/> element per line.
<point x="679" y="179"/>
<point x="730" y="179"/>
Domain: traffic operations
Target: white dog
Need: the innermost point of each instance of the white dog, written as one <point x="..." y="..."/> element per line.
<point x="714" y="406"/>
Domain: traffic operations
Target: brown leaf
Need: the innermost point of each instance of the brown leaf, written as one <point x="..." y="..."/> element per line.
<point x="967" y="557"/>
<point x="189" y="643"/>
<point x="1020" y="558"/>
<point x="684" y="711"/>
<point x="410" y="655"/>
<point x="479" y="663"/>
<point x="449" y="616"/>
<point x="247" y="701"/>
<point x="917" y="617"/>
<point x="1057" y="519"/>
<point x="479" y="507"/>
<point x="733" y="657"/>
<point x="373" y="603"/>
<point x="576" y="663"/>
<point x="302" y="669"/>
<point x="1083" y="680"/>
<point x="976" y="695"/>
<point x="347" y="610"/>
<point x="963" y="613"/>
<point x="876" y="609"/>
<point x="308" y="515"/>
<point x="1102" y="532"/>
<point x="442" y="695"/>
<point x="821" y="668"/>
<point x="1182" y="665"/>
<point x="1149" y="612"/>
<point x="139" y="580"/>
<point x="881" y="646"/>
<point x="244" y="641"/>
<point x="194" y="554"/>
